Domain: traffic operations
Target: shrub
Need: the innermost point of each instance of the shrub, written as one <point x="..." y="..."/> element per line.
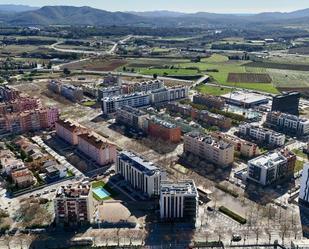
<point x="233" y="215"/>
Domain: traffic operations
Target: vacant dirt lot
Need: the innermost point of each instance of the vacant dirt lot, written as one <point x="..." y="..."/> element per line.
<point x="249" y="78"/>
<point x="100" y="64"/>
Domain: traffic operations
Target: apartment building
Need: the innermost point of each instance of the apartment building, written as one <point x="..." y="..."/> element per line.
<point x="146" y="86"/>
<point x="203" y="116"/>
<point x="20" y="104"/>
<point x="140" y="173"/>
<point x="22" y="178"/>
<point x="209" y="100"/>
<point x="271" y="167"/>
<point x="207" y="147"/>
<point x="111" y="104"/>
<point x="9" y="162"/>
<point x="69" y="131"/>
<point x="8" y="93"/>
<point x="262" y="135"/>
<point x="97" y="148"/>
<point x="164" y="95"/>
<point x="106" y="92"/>
<point x="132" y="117"/>
<point x="31" y="120"/>
<point x="288" y="102"/>
<point x="245" y="148"/>
<point x="73" y="205"/>
<point x="287" y="123"/>
<point x="164" y="130"/>
<point x="68" y="91"/>
<point x="304" y="187"/>
<point x="179" y="200"/>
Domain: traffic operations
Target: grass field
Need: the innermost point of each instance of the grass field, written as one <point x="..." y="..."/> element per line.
<point x="213" y="90"/>
<point x="162" y="72"/>
<point x="249" y="78"/>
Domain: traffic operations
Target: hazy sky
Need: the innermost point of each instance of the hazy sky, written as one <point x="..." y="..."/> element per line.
<point x="222" y="6"/>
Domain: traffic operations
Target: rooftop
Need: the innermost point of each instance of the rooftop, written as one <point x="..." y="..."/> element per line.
<point x="95" y="140"/>
<point x="125" y="96"/>
<point x="181" y="187"/>
<point x="132" y="110"/>
<point x="139" y="163"/>
<point x="208" y="139"/>
<point x="70" y="191"/>
<point x="245" y="97"/>
<point x="268" y="160"/>
<point x="163" y="123"/>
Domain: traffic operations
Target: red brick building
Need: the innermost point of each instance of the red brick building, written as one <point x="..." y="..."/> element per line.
<point x="164" y="130"/>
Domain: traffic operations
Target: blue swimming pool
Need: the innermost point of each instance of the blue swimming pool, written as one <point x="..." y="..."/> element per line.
<point x="101" y="192"/>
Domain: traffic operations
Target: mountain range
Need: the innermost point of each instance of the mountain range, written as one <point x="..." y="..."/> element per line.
<point x="69" y="15"/>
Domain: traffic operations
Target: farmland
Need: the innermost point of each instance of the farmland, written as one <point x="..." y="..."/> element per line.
<point x="283" y="66"/>
<point x="249" y="78"/>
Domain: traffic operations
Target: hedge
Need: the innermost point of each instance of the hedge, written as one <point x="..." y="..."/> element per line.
<point x="233" y="215"/>
<point x="227" y="190"/>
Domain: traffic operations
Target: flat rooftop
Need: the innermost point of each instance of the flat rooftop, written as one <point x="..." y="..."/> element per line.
<point x="139" y="163"/>
<point x="268" y="160"/>
<point x="181" y="187"/>
<point x="208" y="139"/>
<point x="245" y="97"/>
<point x="76" y="191"/>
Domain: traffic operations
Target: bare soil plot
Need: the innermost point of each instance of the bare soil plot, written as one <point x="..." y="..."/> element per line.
<point x="102" y="64"/>
<point x="283" y="66"/>
<point x="249" y="78"/>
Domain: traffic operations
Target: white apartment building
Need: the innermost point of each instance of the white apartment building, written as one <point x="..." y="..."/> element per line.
<point x="73" y="205"/>
<point x="263" y="135"/>
<point x="304" y="187"/>
<point x="179" y="200"/>
<point x="141" y="174"/>
<point x="111" y="104"/>
<point x="213" y="150"/>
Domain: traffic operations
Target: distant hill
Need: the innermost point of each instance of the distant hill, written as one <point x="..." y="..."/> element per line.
<point x="16" y="8"/>
<point x="69" y="15"/>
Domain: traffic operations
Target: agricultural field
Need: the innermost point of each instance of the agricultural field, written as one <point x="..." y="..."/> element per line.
<point x="166" y="71"/>
<point x="249" y="78"/>
<point x="283" y="66"/>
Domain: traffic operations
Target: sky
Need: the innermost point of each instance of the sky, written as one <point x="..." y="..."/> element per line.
<point x="218" y="6"/>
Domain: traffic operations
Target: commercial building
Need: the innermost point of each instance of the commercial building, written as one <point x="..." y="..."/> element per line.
<point x="164" y="130"/>
<point x="207" y="147"/>
<point x="287" y="102"/>
<point x="245" y="148"/>
<point x="132" y="117"/>
<point x="304" y="187"/>
<point x="262" y="135"/>
<point x="73" y="204"/>
<point x="206" y="117"/>
<point x="69" y="131"/>
<point x="23" y="178"/>
<point x="140" y="173"/>
<point x="97" y="148"/>
<point x="179" y="200"/>
<point x="269" y="168"/>
<point x="287" y="123"/>
<point x="111" y="104"/>
<point x="164" y="95"/>
<point x="209" y="100"/>
<point x="245" y="99"/>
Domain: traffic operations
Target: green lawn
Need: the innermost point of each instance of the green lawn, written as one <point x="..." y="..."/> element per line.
<point x="163" y="71"/>
<point x="213" y="90"/>
<point x="89" y="103"/>
<point x="300" y="153"/>
<point x="299" y="165"/>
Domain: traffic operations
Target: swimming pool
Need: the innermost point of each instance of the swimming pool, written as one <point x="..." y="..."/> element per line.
<point x="101" y="192"/>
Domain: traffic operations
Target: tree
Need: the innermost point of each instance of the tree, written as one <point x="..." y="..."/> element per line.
<point x="66" y="71"/>
<point x="155" y="76"/>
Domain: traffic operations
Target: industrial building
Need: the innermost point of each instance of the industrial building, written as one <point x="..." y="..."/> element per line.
<point x="179" y="201"/>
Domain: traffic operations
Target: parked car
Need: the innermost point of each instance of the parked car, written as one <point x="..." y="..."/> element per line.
<point x="236" y="238"/>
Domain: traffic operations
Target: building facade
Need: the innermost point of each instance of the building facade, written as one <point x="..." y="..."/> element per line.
<point x="287" y="123"/>
<point x="304" y="187"/>
<point x="179" y="200"/>
<point x="69" y="131"/>
<point x="262" y="135"/>
<point x="73" y="205"/>
<point x="141" y="174"/>
<point x="164" y="130"/>
<point x="165" y="95"/>
<point x="111" y="104"/>
<point x="209" y="100"/>
<point x="269" y="168"/>
<point x="207" y="147"/>
<point x="97" y="148"/>
<point x="287" y="102"/>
